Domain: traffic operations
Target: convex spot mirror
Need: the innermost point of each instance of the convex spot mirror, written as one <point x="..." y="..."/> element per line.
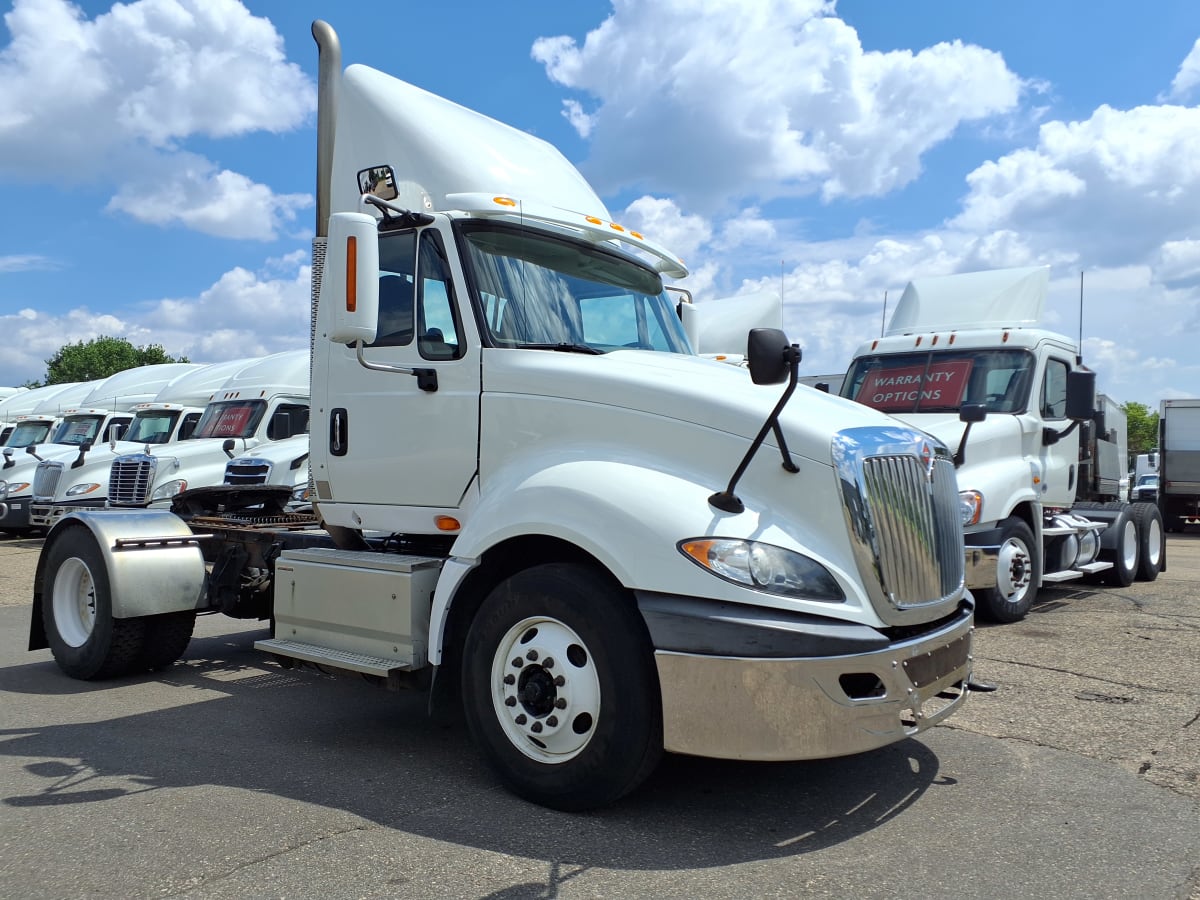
<point x="350" y="281"/>
<point x="379" y="181"/>
<point x="767" y="355"/>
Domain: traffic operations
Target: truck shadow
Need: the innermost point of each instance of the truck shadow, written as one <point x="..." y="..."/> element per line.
<point x="332" y="742"/>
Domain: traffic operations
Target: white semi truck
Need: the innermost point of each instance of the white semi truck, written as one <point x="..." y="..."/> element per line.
<point x="282" y="462"/>
<point x="1179" y="461"/>
<point x="1041" y="463"/>
<point x="261" y="401"/>
<point x="158" y="427"/>
<point x="102" y="415"/>
<point x="534" y="499"/>
<point x="30" y="417"/>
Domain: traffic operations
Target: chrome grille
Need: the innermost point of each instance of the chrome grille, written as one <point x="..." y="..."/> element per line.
<point x="45" y="480"/>
<point x="130" y="480"/>
<point x="248" y="471"/>
<point x="901" y="502"/>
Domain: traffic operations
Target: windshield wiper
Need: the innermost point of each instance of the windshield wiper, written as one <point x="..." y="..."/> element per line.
<point x="563" y="347"/>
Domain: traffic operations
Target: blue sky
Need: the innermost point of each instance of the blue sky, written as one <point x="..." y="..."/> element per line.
<point x="157" y="157"/>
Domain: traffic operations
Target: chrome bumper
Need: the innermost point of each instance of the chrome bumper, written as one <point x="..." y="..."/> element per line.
<point x="814" y="707"/>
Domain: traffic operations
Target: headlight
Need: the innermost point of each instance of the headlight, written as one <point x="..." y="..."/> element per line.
<point x="12" y="487"/>
<point x="970" y="506"/>
<point x="764" y="567"/>
<point x="77" y="489"/>
<point x="300" y="494"/>
<point x="170" y="489"/>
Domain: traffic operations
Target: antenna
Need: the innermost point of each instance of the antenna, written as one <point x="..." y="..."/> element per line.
<point x="1079" y="346"/>
<point x="883" y="321"/>
<point x="781" y="285"/>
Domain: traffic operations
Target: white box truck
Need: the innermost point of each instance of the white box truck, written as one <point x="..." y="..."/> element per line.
<point x="103" y="414"/>
<point x="1041" y="464"/>
<point x="537" y="501"/>
<point x="1179" y="461"/>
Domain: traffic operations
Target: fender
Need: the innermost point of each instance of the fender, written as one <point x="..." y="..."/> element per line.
<point x="641" y="513"/>
<point x="152" y="558"/>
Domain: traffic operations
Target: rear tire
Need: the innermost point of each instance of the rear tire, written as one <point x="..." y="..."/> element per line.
<point x="1018" y="573"/>
<point x="87" y="642"/>
<point x="560" y="689"/>
<point x="1124" y="556"/>
<point x="167" y="637"/>
<point x="1152" y="541"/>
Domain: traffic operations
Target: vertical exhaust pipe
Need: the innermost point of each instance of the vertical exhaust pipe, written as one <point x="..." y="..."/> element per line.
<point x="329" y="70"/>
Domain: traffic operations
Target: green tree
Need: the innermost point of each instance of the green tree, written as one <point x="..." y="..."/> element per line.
<point x="1142" y="427"/>
<point x="101" y="357"/>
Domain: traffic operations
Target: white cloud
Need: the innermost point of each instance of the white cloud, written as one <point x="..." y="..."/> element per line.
<point x="243" y="314"/>
<point x="1188" y="75"/>
<point x="111" y="98"/>
<point x="190" y="192"/>
<point x="24" y="262"/>
<point x="721" y="99"/>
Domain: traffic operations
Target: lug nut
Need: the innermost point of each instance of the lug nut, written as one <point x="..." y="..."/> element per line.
<point x="536" y="727"/>
<point x="510" y="679"/>
<point x="552" y="721"/>
<point x="560" y="703"/>
<point x="518" y="662"/>
<point x="510" y="701"/>
<point x="559" y="681"/>
<point x="531" y="655"/>
<point x="548" y="662"/>
<point x="521" y="720"/>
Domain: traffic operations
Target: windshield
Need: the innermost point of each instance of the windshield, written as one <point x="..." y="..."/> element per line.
<point x="152" y="427"/>
<point x="231" y="419"/>
<point x="545" y="292"/>
<point x="1147" y="479"/>
<point x="76" y="430"/>
<point x="942" y="381"/>
<point x="27" y="433"/>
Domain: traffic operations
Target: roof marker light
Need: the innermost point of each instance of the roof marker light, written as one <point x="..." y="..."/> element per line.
<point x="504" y="201"/>
<point x="615" y="227"/>
<point x="593" y="220"/>
<point x="637" y="234"/>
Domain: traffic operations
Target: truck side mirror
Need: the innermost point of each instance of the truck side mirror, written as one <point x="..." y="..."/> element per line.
<point x="350" y="280"/>
<point x="973" y="412"/>
<point x="281" y="425"/>
<point x="1081" y="395"/>
<point x="767" y="355"/>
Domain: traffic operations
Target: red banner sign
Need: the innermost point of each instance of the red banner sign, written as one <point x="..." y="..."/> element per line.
<point x="940" y="385"/>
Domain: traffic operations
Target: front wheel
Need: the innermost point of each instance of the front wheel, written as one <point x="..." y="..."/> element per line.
<point x="560" y="689"/>
<point x="87" y="642"/>
<point x="1018" y="573"/>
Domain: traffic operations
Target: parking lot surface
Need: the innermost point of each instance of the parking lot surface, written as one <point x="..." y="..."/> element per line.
<point x="227" y="776"/>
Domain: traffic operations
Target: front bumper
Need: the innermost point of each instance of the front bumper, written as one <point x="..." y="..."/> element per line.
<point x="813" y="707"/>
<point x="44" y="515"/>
<point x="14" y="513"/>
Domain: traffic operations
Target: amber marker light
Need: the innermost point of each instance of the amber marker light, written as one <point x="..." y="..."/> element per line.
<point x="615" y="227"/>
<point x="504" y="201"/>
<point x="447" y="523"/>
<point x="697" y="550"/>
<point x="637" y="234"/>
<point x="593" y="220"/>
<point x="351" y="274"/>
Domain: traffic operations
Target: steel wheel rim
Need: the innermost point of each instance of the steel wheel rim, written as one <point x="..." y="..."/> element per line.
<point x="1154" y="542"/>
<point x="1014" y="570"/>
<point x="545" y="690"/>
<point x="74" y="602"/>
<point x="1129" y="546"/>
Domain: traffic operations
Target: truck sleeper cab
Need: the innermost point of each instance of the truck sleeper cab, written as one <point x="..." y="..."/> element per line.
<point x="501" y="390"/>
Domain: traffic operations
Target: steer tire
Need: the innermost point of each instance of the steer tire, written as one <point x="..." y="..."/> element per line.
<point x="87" y="642"/>
<point x="1019" y="571"/>
<point x="560" y="689"/>
<point x="1152" y="541"/>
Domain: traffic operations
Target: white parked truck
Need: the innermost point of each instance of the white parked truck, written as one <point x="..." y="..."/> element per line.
<point x="103" y="414"/>
<point x="1041" y="462"/>
<point x="535" y="497"/>
<point x="1179" y="462"/>
<point x="282" y="462"/>
<point x="158" y="427"/>
<point x="29" y="417"/>
<point x="261" y="401"/>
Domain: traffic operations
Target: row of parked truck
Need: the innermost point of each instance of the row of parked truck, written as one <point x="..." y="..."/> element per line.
<point x="532" y="499"/>
<point x="143" y="436"/>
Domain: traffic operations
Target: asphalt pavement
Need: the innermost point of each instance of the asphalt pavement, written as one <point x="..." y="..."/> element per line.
<point x="226" y="776"/>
